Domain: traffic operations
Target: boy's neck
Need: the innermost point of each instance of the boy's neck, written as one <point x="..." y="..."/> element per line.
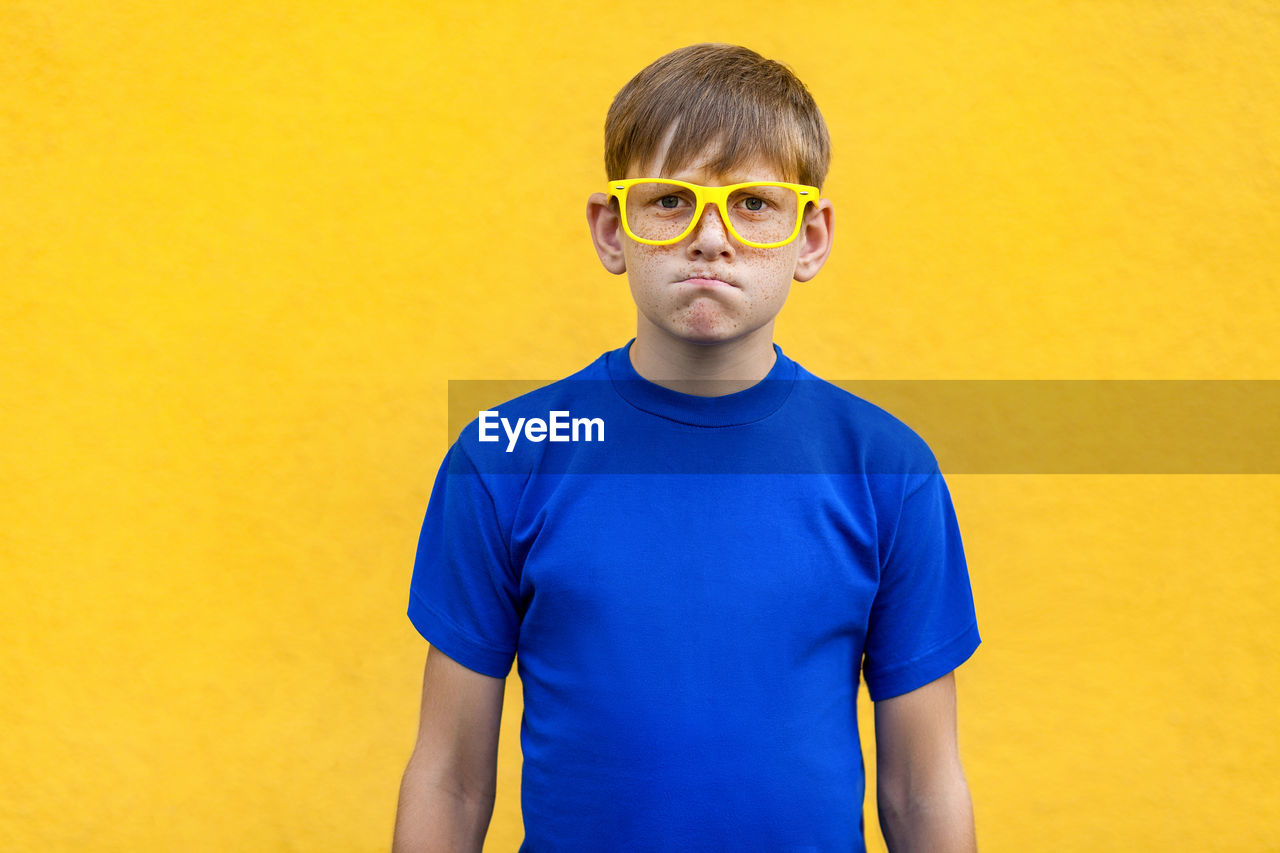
<point x="703" y="370"/>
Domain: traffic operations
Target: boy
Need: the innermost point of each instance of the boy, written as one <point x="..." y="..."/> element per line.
<point x="694" y="544"/>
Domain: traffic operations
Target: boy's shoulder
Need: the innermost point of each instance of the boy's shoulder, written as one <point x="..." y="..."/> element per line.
<point x="869" y="438"/>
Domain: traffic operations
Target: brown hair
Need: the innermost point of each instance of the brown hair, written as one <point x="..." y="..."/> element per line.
<point x="719" y="95"/>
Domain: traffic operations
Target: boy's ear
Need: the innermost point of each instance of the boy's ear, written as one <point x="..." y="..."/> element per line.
<point x="606" y="232"/>
<point x="815" y="240"/>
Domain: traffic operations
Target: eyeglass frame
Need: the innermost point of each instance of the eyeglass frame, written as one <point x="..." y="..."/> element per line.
<point x="719" y="196"/>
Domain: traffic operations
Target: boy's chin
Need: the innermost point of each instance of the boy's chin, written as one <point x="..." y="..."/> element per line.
<point x="700" y="327"/>
<point x="709" y="335"/>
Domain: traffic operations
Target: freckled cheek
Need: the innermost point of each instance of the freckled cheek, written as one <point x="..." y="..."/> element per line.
<point x="771" y="279"/>
<point x="648" y="282"/>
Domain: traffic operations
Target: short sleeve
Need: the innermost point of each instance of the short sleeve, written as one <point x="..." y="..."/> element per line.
<point x="463" y="597"/>
<point x="922" y="623"/>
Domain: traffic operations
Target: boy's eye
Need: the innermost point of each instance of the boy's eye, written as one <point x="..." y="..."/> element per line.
<point x="670" y="202"/>
<point x="754" y="204"/>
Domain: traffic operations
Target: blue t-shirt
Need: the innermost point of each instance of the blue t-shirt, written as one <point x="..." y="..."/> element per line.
<point x="690" y="590"/>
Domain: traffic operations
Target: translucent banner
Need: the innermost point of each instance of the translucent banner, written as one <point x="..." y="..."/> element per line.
<point x="1016" y="426"/>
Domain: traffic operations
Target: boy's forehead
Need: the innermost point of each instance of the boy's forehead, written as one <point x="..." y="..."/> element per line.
<point x="704" y="167"/>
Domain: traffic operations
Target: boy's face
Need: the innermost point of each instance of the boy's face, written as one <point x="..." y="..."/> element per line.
<point x="709" y="288"/>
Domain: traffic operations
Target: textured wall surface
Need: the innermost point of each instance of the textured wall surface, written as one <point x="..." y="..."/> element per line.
<point x="243" y="248"/>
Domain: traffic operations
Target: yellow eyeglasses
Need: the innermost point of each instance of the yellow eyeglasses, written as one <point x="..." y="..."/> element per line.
<point x="760" y="214"/>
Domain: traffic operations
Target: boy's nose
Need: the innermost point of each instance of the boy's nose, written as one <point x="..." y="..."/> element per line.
<point x="711" y="228"/>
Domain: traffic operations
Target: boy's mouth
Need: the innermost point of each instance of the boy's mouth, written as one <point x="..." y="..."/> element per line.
<point x="707" y="280"/>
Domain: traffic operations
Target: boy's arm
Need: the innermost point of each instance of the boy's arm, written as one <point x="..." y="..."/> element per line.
<point x="447" y="792"/>
<point x="921" y="793"/>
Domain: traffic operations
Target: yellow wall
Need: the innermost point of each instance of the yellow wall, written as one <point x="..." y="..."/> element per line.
<point x="243" y="249"/>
